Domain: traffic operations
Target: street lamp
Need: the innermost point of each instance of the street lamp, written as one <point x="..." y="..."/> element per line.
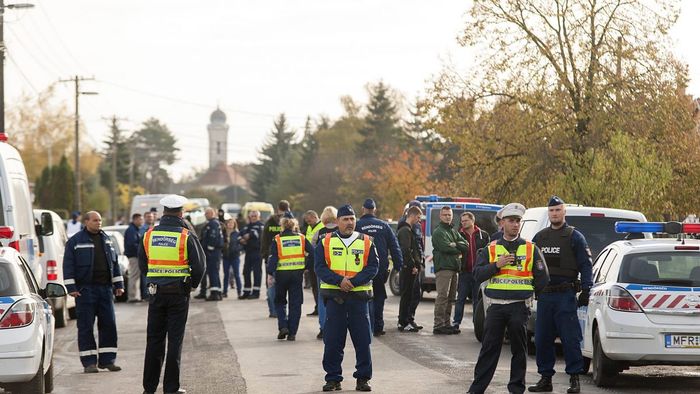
<point x="3" y="136"/>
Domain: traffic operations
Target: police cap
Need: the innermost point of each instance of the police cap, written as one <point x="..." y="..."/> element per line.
<point x="513" y="209"/>
<point x="173" y="201"/>
<point x="346" y="210"/>
<point x="554" y="201"/>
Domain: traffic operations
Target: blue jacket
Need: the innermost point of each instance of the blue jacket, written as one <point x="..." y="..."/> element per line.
<point x="273" y="258"/>
<point x="195" y="253"/>
<point x="326" y="275"/>
<point x="384" y="240"/>
<point x="132" y="237"/>
<point x="234" y="247"/>
<point x="78" y="261"/>
<point x="212" y="238"/>
<point x="255" y="230"/>
<point x="583" y="260"/>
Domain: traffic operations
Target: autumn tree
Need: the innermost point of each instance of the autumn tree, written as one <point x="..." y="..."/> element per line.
<point x="154" y="147"/>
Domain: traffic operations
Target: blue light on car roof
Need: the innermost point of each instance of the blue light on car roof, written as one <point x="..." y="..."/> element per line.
<point x="639" y="227"/>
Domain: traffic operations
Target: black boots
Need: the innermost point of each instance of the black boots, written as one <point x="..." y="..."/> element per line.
<point x="214" y="296"/>
<point x="543" y="386"/>
<point x="363" y="385"/>
<point x="332" y="386"/>
<point x="574" y="385"/>
<point x="283" y="333"/>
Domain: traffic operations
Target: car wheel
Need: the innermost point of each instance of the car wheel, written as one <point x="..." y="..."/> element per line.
<point x="586" y="364"/>
<point x="604" y="369"/>
<point x="394" y="284"/>
<point x="61" y="316"/>
<point x="479" y="317"/>
<point x="48" y="378"/>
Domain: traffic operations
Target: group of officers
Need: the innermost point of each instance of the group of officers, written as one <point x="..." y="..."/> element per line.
<point x="349" y="271"/>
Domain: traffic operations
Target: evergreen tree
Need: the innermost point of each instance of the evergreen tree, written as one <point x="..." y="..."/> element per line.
<point x="273" y="156"/>
<point x="382" y="129"/>
<point x="54" y="188"/>
<point x="154" y="147"/>
<point x="116" y="137"/>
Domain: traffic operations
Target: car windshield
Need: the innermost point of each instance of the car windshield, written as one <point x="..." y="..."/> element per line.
<point x="485" y="220"/>
<point x="599" y="232"/>
<point x="11" y="280"/>
<point x="662" y="268"/>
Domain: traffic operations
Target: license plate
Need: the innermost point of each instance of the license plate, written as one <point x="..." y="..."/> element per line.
<point x="688" y="341"/>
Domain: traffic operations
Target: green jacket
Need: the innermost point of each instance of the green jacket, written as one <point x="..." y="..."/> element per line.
<point x="444" y="255"/>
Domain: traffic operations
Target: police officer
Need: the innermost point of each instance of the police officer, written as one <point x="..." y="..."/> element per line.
<point x="290" y="254"/>
<point x="345" y="262"/>
<point x="313" y="225"/>
<point x="567" y="255"/>
<point x="515" y="270"/>
<point x="91" y="274"/>
<point x="213" y="243"/>
<point x="271" y="229"/>
<point x="385" y="241"/>
<point x="250" y="239"/>
<point x="173" y="260"/>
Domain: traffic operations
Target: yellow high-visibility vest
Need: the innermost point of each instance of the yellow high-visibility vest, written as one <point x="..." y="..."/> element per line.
<point x="311" y="231"/>
<point x="291" y="252"/>
<point x="347" y="261"/>
<point x="515" y="276"/>
<point x="167" y="253"/>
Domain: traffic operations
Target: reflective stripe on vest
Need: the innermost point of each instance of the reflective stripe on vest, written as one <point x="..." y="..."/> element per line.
<point x="167" y="253"/>
<point x="311" y="231"/>
<point x="346" y="261"/>
<point x="512" y="276"/>
<point x="291" y="252"/>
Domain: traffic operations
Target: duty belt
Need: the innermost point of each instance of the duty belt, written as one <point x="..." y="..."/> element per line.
<point x="558" y="288"/>
<point x="174" y="288"/>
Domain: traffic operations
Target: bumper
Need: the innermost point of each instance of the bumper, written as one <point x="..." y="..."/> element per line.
<point x="632" y="337"/>
<point x="20" y="353"/>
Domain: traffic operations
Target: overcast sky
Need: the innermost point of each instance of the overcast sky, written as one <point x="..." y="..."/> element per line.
<point x="176" y="60"/>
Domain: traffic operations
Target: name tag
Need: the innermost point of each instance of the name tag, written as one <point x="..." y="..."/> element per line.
<point x="291" y="243"/>
<point x="356" y="252"/>
<point x="164" y="240"/>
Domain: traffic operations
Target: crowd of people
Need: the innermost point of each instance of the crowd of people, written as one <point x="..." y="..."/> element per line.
<point x="347" y="263"/>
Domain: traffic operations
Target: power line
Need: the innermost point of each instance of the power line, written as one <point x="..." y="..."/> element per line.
<point x="19" y="70"/>
<point x="58" y="37"/>
<point x="31" y="54"/>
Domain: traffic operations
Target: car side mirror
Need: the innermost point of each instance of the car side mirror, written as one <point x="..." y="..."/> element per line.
<point x="46" y="227"/>
<point x="55" y="290"/>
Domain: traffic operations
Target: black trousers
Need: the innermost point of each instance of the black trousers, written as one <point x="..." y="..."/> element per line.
<point x="499" y="317"/>
<point x="407" y="282"/>
<point x="167" y="315"/>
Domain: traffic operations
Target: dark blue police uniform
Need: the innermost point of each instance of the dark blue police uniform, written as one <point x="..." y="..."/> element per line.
<point x="213" y="242"/>
<point x="90" y="267"/>
<point x="567" y="255"/>
<point x="385" y="241"/>
<point x="253" y="260"/>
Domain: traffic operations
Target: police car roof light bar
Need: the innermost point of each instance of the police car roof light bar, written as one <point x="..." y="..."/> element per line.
<point x="691" y="228"/>
<point x="436" y="198"/>
<point x="649" y="227"/>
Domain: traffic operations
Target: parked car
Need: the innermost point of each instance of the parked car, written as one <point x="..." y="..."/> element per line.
<point x="51" y="250"/>
<point x="117" y="240"/>
<point x="644" y="306"/>
<point x="595" y="223"/>
<point x="26" y="327"/>
<point x="121" y="228"/>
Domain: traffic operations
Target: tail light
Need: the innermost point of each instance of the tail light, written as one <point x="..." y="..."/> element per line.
<point x="621" y="300"/>
<point x="15" y="245"/>
<point x="51" y="270"/>
<point x="7" y="232"/>
<point x="20" y="315"/>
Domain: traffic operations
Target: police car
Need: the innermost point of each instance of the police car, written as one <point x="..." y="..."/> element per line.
<point x="26" y="327"/>
<point x="644" y="307"/>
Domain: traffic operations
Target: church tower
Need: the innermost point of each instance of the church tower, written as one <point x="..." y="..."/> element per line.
<point x="218" y="138"/>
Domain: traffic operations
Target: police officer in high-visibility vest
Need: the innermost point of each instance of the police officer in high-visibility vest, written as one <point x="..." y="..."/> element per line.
<point x="290" y="254"/>
<point x="345" y="262"/>
<point x="514" y="269"/>
<point x="567" y="254"/>
<point x="173" y="260"/>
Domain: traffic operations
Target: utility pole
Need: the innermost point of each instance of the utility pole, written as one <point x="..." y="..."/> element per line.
<point x="113" y="173"/>
<point x="3" y="136"/>
<point x="76" y="80"/>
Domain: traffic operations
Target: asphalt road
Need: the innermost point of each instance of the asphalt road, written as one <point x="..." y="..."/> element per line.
<point x="231" y="347"/>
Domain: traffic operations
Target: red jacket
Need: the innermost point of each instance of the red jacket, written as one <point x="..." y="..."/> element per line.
<point x="477" y="240"/>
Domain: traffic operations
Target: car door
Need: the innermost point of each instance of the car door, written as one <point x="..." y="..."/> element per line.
<point x="587" y="315"/>
<point x="46" y="317"/>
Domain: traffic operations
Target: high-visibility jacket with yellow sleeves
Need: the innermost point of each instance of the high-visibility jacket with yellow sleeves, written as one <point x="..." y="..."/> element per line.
<point x="516" y="276"/>
<point x="291" y="252"/>
<point x="347" y="261"/>
<point x="167" y="253"/>
<point x="310" y="231"/>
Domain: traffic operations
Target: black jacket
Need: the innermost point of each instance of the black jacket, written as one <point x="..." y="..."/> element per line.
<point x="410" y="249"/>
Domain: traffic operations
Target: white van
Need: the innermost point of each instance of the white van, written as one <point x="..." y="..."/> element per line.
<point x="144" y="202"/>
<point x="51" y="250"/>
<point x="17" y="219"/>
